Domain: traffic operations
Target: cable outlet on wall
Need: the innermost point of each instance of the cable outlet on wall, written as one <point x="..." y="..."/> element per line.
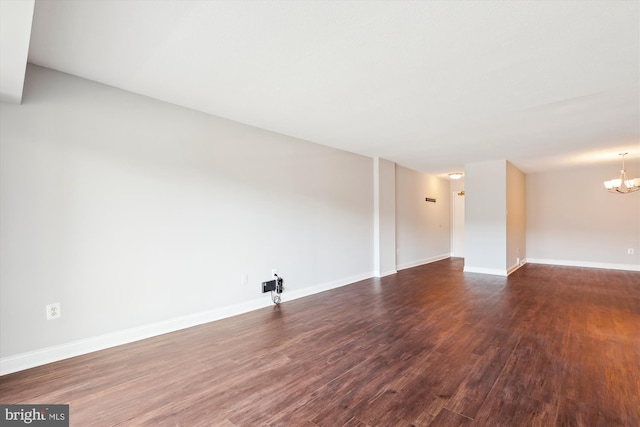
<point x="274" y="271"/>
<point x="53" y="311"/>
<point x="630" y="251"/>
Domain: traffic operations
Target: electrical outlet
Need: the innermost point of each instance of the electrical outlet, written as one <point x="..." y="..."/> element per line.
<point x="245" y="279"/>
<point x="269" y="286"/>
<point x="630" y="251"/>
<point x="274" y="271"/>
<point x="53" y="311"/>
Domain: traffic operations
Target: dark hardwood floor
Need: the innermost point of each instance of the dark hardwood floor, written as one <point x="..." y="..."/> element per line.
<point x="430" y="346"/>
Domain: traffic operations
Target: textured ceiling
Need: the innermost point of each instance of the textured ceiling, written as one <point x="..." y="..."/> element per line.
<point x="431" y="85"/>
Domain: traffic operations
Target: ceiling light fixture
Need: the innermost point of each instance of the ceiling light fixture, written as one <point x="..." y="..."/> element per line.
<point x="456" y="175"/>
<point x="622" y="185"/>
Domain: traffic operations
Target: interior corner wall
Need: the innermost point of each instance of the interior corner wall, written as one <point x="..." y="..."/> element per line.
<point x="132" y="212"/>
<point x="573" y="220"/>
<point x="423" y="228"/>
<point x="485" y="226"/>
<point x="516" y="218"/>
<point x="384" y="199"/>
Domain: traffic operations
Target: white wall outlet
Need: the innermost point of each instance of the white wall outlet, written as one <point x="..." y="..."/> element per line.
<point x="53" y="311"/>
<point x="245" y="279"/>
<point x="630" y="251"/>
<point x="274" y="271"/>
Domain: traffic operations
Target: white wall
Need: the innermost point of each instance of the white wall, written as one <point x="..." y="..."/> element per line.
<point x="131" y="212"/>
<point x="573" y="220"/>
<point x="456" y="186"/>
<point x="516" y="217"/>
<point x="384" y="217"/>
<point x="423" y="228"/>
<point x="485" y="231"/>
<point x="15" y="33"/>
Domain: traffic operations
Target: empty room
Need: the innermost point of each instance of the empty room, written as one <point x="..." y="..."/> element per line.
<point x="319" y="213"/>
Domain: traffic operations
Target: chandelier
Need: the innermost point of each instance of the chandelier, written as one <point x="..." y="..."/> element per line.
<point x="622" y="185"/>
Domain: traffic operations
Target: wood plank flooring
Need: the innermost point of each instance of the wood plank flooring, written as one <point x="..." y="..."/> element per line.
<point x="429" y="346"/>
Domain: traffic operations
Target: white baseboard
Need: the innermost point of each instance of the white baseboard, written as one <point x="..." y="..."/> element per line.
<point x="422" y="261"/>
<point x="483" y="270"/>
<point x="515" y="267"/>
<point x="312" y="290"/>
<point x="386" y="273"/>
<point x="46" y="355"/>
<point x="493" y="271"/>
<point x="589" y="264"/>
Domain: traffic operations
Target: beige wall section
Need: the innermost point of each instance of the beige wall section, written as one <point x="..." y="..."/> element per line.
<point x="573" y="220"/>
<point x="423" y="228"/>
<point x="516" y="217"/>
